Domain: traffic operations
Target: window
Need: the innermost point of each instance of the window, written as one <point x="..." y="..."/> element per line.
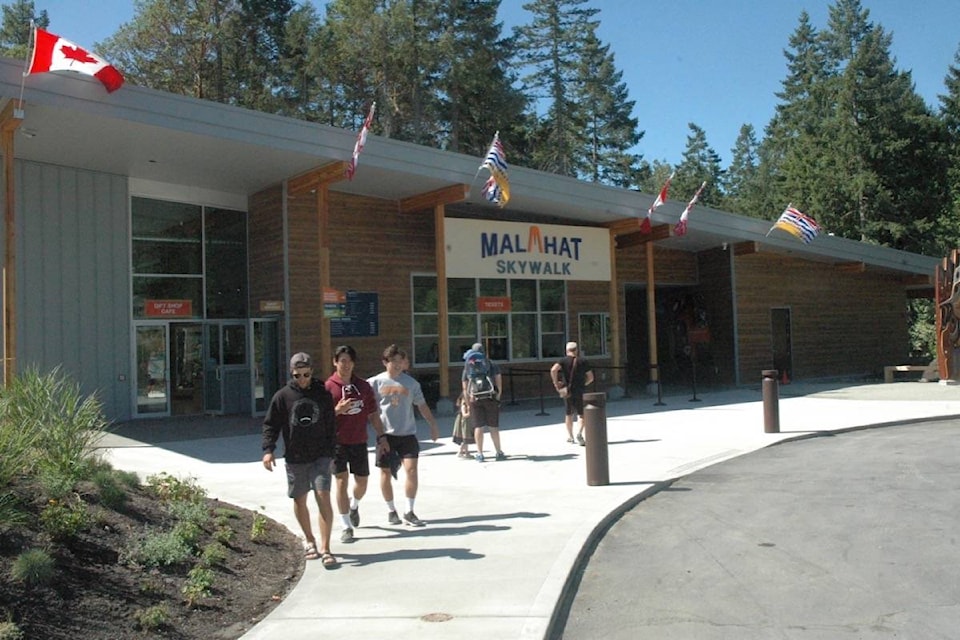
<point x="595" y="334"/>
<point x="535" y="327"/>
<point x="186" y="252"/>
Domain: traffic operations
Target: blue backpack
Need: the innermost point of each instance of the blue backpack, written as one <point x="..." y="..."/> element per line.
<point x="479" y="383"/>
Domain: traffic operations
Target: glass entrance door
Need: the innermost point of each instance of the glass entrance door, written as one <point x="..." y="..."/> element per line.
<point x="227" y="387"/>
<point x="186" y="374"/>
<point x="152" y="387"/>
<point x="266" y="368"/>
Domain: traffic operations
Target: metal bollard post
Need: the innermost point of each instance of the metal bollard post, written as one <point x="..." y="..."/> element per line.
<point x="771" y="401"/>
<point x="595" y="425"/>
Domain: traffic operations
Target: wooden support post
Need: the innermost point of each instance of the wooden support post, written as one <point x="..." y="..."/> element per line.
<point x="443" y="351"/>
<point x="10" y="120"/>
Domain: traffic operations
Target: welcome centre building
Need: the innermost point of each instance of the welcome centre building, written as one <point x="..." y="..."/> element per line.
<point x="169" y="254"/>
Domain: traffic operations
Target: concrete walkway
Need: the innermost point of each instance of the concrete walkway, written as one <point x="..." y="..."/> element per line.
<point x="502" y="538"/>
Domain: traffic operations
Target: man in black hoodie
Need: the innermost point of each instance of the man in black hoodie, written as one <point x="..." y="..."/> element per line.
<point x="303" y="413"/>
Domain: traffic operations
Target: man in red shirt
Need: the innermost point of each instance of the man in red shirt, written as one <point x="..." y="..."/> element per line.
<point x="355" y="406"/>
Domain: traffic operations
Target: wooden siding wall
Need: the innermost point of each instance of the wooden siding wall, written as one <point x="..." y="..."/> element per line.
<point x="265" y="230"/>
<point x="843" y="323"/>
<point x="73" y="279"/>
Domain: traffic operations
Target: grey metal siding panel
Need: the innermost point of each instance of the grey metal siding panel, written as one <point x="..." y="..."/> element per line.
<point x="73" y="293"/>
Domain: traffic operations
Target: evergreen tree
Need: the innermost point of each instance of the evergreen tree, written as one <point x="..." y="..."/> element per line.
<point x="741" y="183"/>
<point x="550" y="45"/>
<point x="15" y="32"/>
<point x="949" y="225"/>
<point x="611" y="129"/>
<point x="700" y="163"/>
<point x="475" y="84"/>
<point x="174" y="46"/>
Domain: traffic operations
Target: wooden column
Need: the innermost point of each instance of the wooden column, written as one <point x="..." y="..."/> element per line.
<point x="652" y="315"/>
<point x="443" y="352"/>
<point x="10" y="120"/>
<point x="437" y="200"/>
<point x="318" y="181"/>
<point x="615" y="312"/>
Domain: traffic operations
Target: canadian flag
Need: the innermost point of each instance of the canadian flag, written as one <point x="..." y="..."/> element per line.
<point x="53" y="53"/>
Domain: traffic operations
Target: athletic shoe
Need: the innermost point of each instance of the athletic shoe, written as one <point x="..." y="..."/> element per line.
<point x="501" y="455"/>
<point x="347" y="536"/>
<point x="355" y="517"/>
<point x="570" y="440"/>
<point x="479" y="457"/>
<point x="411" y="519"/>
<point x="580" y="440"/>
<point x="393" y="518"/>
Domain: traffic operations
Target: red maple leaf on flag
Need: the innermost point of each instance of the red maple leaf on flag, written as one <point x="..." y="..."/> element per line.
<point x="78" y="54"/>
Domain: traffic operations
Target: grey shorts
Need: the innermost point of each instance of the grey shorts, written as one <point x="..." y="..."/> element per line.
<point x="302" y="477"/>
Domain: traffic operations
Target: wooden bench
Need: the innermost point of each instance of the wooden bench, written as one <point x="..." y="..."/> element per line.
<point x="929" y="371"/>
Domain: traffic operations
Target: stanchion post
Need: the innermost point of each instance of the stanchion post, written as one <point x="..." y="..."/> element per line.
<point x="513" y="398"/>
<point x="659" y="402"/>
<point x="540" y="385"/>
<point x="771" y="401"/>
<point x="595" y="426"/>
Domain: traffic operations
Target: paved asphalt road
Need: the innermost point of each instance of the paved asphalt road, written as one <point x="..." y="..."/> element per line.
<point x="853" y="535"/>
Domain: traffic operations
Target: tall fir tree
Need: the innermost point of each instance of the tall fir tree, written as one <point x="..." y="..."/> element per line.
<point x="610" y="128"/>
<point x="475" y="83"/>
<point x="741" y="185"/>
<point x="949" y="225"/>
<point x="550" y="45"/>
<point x="700" y="163"/>
<point x="15" y="30"/>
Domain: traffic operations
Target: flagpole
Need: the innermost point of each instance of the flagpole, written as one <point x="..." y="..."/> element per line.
<point x="26" y="63"/>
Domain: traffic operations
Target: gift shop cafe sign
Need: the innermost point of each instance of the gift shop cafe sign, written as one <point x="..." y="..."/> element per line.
<point x="489" y="249"/>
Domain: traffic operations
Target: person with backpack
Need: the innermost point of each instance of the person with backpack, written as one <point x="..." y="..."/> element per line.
<point x="481" y="382"/>
<point x="574" y="374"/>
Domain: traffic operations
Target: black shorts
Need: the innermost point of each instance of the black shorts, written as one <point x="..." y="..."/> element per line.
<point x="354" y="457"/>
<point x="405" y="446"/>
<point x="574" y="404"/>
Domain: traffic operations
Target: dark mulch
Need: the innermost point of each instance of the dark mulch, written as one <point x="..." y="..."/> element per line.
<point x="96" y="594"/>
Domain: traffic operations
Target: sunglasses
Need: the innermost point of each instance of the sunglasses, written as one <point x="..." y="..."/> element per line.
<point x="297" y="376"/>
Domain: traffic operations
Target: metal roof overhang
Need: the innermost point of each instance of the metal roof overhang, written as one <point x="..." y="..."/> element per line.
<point x="69" y="119"/>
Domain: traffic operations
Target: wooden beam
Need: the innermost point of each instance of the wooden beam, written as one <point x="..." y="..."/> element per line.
<point x="851" y="267"/>
<point x="623" y="227"/>
<point x="659" y="232"/>
<point x="433" y="199"/>
<point x="10" y="121"/>
<point x="745" y="248"/>
<point x="917" y="280"/>
<point x="311" y="180"/>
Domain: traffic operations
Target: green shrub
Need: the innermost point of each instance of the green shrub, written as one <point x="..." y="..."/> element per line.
<point x="258" y="529"/>
<point x="171" y="488"/>
<point x="157" y="549"/>
<point x="152" y="618"/>
<point x="224" y="535"/>
<point x="33" y="567"/>
<point x="199" y="582"/>
<point x="55" y="484"/>
<point x="189" y="532"/>
<point x="222" y="516"/>
<point x="112" y="494"/>
<point x="10" y="631"/>
<point x="64" y="519"/>
<point x="189" y="511"/>
<point x="129" y="479"/>
<point x="13" y="513"/>
<point x="66" y="425"/>
<point x="214" y="554"/>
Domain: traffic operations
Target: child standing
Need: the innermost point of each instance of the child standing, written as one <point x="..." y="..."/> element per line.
<point x="462" y="433"/>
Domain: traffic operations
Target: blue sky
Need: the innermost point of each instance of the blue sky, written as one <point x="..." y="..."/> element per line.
<point x="714" y="63"/>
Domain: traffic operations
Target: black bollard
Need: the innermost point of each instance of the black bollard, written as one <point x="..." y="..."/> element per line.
<point x="595" y="425"/>
<point x="771" y="401"/>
